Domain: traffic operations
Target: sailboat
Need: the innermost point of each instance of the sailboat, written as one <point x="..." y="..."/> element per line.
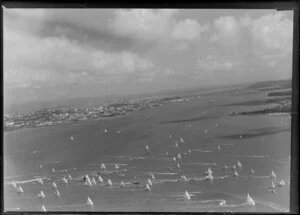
<point x="54" y="185"/>
<point x="181" y="140"/>
<point x="272" y="186"/>
<point x="72" y="138"/>
<point x="205" y="131"/>
<point x="100" y="179"/>
<point x="225" y="166"/>
<point x="209" y="171"/>
<point x="239" y="165"/>
<point x="109" y="182"/>
<point x="178" y="166"/>
<point x="41" y="195"/>
<point x="170" y="136"/>
<point x="147" y="187"/>
<point x="122" y="185"/>
<point x="273" y="175"/>
<point x="57" y="193"/>
<point x="176" y="144"/>
<point x="117" y="166"/>
<point x="89" y="202"/>
<point x="179" y="156"/>
<point x="222" y="204"/>
<point x="94" y="181"/>
<point x="190" y="151"/>
<point x="65" y="180"/>
<point x="218" y="148"/>
<point x="70" y="177"/>
<point x="20" y="189"/>
<point x="105" y="130"/>
<point x="184" y="178"/>
<point x="43" y="208"/>
<point x="149" y="182"/>
<point x="40" y="181"/>
<point x="187" y="195"/>
<point x="252" y="172"/>
<point x="209" y="177"/>
<point x="281" y="183"/>
<point x="88" y="181"/>
<point x="147" y="149"/>
<point x="249" y="201"/>
<point x="53" y="170"/>
<point x="235" y="174"/>
<point x="103" y="166"/>
<point x="152" y="176"/>
<point x="14" y="184"/>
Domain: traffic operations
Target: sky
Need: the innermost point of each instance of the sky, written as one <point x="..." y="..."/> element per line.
<point x="68" y="53"/>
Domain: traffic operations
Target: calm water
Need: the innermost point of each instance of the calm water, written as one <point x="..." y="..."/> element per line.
<point x="25" y="150"/>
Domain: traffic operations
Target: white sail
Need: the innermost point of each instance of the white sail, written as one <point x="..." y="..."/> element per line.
<point x="218" y="148"/>
<point x="272" y="186"/>
<point x="109" y="183"/>
<point x="89" y="202"/>
<point x="209" y="171"/>
<point x="14" y="184"/>
<point x="100" y="179"/>
<point x="105" y="130"/>
<point x="222" y="204"/>
<point x="178" y="166"/>
<point x="239" y="165"/>
<point x="53" y="170"/>
<point x="117" y="166"/>
<point x="54" y="185"/>
<point x="147" y="187"/>
<point x="170" y="136"/>
<point x="225" y="166"/>
<point x="65" y="180"/>
<point x="70" y="177"/>
<point x="176" y="144"/>
<point x="181" y="140"/>
<point x="187" y="195"/>
<point x="250" y="201"/>
<point x="103" y="166"/>
<point x="205" y="131"/>
<point x="41" y="195"/>
<point x="281" y="183"/>
<point x="43" y="208"/>
<point x="122" y="185"/>
<point x="184" y="178"/>
<point x="147" y="147"/>
<point x="20" y="189"/>
<point x="252" y="172"/>
<point x="190" y="151"/>
<point x="179" y="156"/>
<point x="273" y="175"/>
<point x="94" y="181"/>
<point x="57" y="193"/>
<point x="40" y="181"/>
<point x="236" y="174"/>
<point x="72" y="138"/>
<point x="149" y="182"/>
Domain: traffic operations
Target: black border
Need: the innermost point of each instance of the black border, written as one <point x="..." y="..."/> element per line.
<point x="279" y="5"/>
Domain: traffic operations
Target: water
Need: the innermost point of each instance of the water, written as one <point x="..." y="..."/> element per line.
<point x="92" y="146"/>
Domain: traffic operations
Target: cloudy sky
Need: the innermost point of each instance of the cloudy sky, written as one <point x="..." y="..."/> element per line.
<point x="66" y="53"/>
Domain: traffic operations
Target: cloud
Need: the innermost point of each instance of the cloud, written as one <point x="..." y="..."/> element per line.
<point x="273" y="32"/>
<point x="227" y="30"/>
<point x="188" y="29"/>
<point x="215" y="64"/>
<point x="155" y="25"/>
<point x="142" y="24"/>
<point x="31" y="60"/>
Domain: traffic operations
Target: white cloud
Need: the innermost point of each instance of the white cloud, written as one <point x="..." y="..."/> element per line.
<point x="273" y="32"/>
<point x="227" y="30"/>
<point x="29" y="59"/>
<point x="188" y="29"/>
<point x="147" y="24"/>
<point x="214" y="64"/>
<point x="142" y="23"/>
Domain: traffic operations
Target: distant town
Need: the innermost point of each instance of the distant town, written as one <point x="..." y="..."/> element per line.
<point x="53" y="116"/>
